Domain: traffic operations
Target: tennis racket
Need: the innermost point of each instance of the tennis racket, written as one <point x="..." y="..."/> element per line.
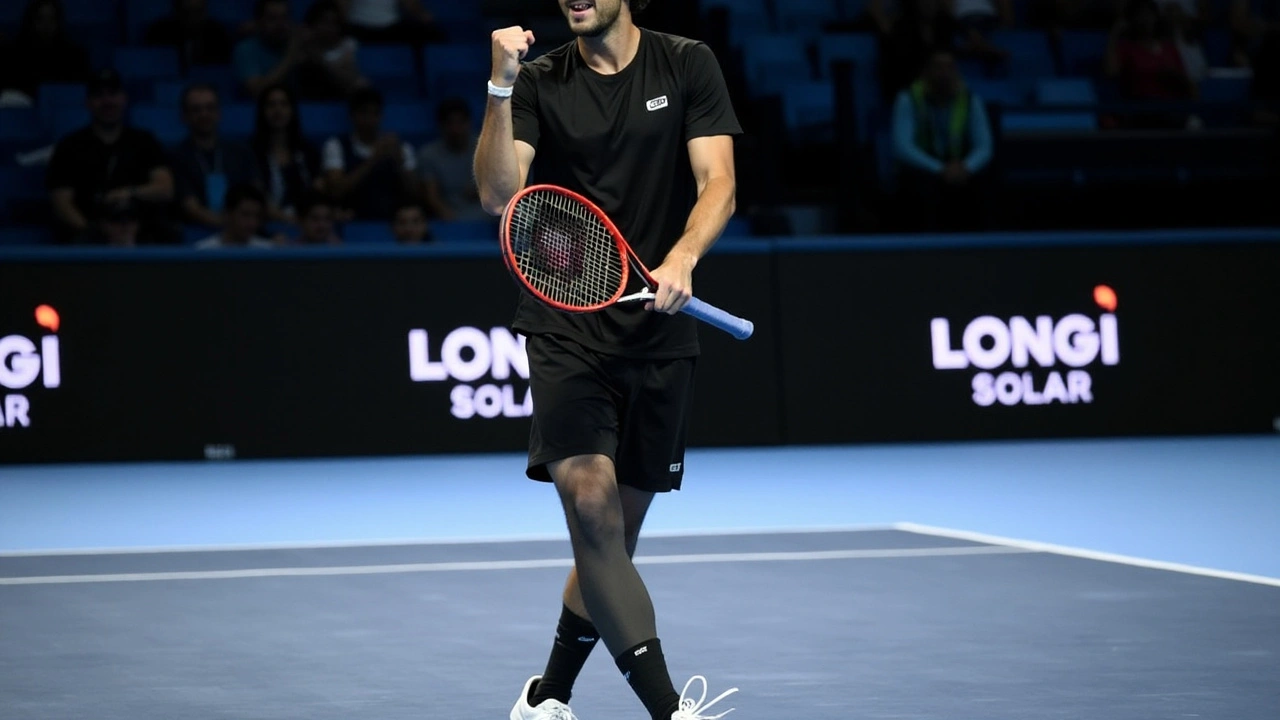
<point x="570" y="256"/>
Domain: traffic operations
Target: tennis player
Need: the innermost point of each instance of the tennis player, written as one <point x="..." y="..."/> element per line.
<point x="640" y="123"/>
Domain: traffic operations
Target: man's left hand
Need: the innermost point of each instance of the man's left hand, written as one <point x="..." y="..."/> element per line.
<point x="675" y="284"/>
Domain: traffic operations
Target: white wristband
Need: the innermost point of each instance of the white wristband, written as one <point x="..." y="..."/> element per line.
<point x="499" y="91"/>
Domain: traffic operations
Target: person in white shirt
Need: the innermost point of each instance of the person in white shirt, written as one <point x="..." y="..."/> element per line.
<point x="445" y="165"/>
<point x="245" y="208"/>
<point x="391" y="21"/>
<point x="368" y="170"/>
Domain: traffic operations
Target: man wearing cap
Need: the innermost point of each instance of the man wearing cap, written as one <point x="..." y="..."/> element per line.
<point x="107" y="164"/>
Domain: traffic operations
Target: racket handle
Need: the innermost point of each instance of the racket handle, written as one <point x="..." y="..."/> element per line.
<point x="714" y="316"/>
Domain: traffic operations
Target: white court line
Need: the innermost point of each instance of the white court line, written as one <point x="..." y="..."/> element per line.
<point x="508" y="565"/>
<point x="1033" y="546"/>
<point x="418" y="542"/>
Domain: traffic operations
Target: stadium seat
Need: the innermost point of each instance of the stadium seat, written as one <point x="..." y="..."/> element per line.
<point x="366" y="233"/>
<point x="737" y="227"/>
<point x="996" y="91"/>
<point x="1083" y="53"/>
<point x="460" y="61"/>
<point x="462" y="231"/>
<point x="321" y="121"/>
<point x="221" y="77"/>
<point x="774" y="61"/>
<point x="146" y="63"/>
<point x="806" y="17"/>
<point x="1030" y="57"/>
<point x="167" y="93"/>
<point x="809" y="111"/>
<point x="745" y="17"/>
<point x="859" y="48"/>
<point x="1226" y="88"/>
<point x="163" y="120"/>
<point x="1031" y="122"/>
<point x="21" y="125"/>
<point x="392" y="69"/>
<point x="25" y="236"/>
<point x="1073" y="91"/>
<point x="238" y="119"/>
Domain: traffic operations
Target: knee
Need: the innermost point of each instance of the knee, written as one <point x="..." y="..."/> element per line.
<point x="590" y="494"/>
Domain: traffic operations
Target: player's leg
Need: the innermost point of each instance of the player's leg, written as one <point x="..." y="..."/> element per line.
<point x="576" y="636"/>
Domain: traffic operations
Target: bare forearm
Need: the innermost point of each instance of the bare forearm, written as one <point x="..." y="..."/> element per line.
<point x="67" y="213"/>
<point x="497" y="169"/>
<point x="158" y="189"/>
<point x="707" y="220"/>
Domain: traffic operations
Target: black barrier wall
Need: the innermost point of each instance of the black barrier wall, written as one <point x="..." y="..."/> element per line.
<point x="175" y="355"/>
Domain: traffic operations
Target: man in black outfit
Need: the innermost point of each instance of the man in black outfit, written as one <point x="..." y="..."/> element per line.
<point x="641" y="123"/>
<point x="108" y="165"/>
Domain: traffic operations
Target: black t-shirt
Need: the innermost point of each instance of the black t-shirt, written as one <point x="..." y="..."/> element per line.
<point x="621" y="141"/>
<point x="91" y="167"/>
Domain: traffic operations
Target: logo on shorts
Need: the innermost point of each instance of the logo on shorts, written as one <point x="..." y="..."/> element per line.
<point x="675" y="467"/>
<point x="657" y="103"/>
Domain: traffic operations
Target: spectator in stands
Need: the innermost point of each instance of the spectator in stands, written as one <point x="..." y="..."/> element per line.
<point x="245" y="210"/>
<point x="199" y="39"/>
<point x="922" y="26"/>
<point x="330" y="68"/>
<point x="288" y="165"/>
<point x="108" y="164"/>
<point x="206" y="164"/>
<point x="317" y="223"/>
<point x="391" y="21"/>
<point x="119" y="226"/>
<point x="368" y="169"/>
<point x="942" y="141"/>
<point x="975" y="19"/>
<point x="445" y="165"/>
<point x="1143" y="58"/>
<point x="272" y="54"/>
<point x="41" y="52"/>
<point x="409" y="226"/>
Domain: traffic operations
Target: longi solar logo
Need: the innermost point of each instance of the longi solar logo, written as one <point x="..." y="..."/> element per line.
<point x="1033" y="350"/>
<point x="467" y="356"/>
<point x="24" y="362"/>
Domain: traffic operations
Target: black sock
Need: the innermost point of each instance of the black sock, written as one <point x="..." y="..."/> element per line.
<point x="645" y="669"/>
<point x="575" y="637"/>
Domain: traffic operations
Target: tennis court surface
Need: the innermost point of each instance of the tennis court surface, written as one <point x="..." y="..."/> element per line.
<point x="893" y="622"/>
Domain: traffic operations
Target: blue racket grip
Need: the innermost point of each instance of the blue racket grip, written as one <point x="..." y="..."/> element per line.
<point x="714" y="316"/>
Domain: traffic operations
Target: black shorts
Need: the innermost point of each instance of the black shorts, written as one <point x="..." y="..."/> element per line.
<point x="586" y="403"/>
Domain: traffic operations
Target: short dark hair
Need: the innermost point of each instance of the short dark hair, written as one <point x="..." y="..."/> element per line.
<point x="318" y="10"/>
<point x="363" y="98"/>
<point x="310" y="201"/>
<point x="452" y="106"/>
<point x="242" y="193"/>
<point x="260" y="7"/>
<point x="195" y="88"/>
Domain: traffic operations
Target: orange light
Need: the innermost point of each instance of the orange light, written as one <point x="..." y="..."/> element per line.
<point x="1105" y="297"/>
<point x="47" y="317"/>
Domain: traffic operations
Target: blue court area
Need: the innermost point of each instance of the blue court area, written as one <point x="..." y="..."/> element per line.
<point x="1127" y="579"/>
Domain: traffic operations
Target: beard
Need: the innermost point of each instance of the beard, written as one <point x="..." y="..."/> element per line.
<point x="606" y="14"/>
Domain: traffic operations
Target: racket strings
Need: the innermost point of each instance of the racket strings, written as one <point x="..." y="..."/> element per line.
<point x="564" y="251"/>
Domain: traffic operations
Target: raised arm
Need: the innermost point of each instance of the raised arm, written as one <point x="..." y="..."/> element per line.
<point x="502" y="163"/>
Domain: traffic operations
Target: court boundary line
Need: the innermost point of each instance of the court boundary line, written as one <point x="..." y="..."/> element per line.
<point x="408" y="568"/>
<point x="1086" y="554"/>
<point x="424" y="542"/>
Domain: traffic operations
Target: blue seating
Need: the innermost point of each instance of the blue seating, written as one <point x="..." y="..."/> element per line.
<point x="221" y="77"/>
<point x="1030" y="57"/>
<point x="147" y="63"/>
<point x="737" y="227"/>
<point x="1031" y="122"/>
<point x="1083" y="52"/>
<point x="774" y="61"/>
<point x="996" y="91"/>
<point x="806" y="17"/>
<point x="1226" y="88"/>
<point x="21" y="125"/>
<point x="412" y="121"/>
<point x="859" y="48"/>
<point x="469" y="60"/>
<point x="321" y="121"/>
<point x="167" y="92"/>
<point x="367" y="233"/>
<point x="391" y="68"/>
<point x="809" y="111"/>
<point x="1066" y="91"/>
<point x="162" y="120"/>
<point x="463" y="231"/>
<point x="238" y="119"/>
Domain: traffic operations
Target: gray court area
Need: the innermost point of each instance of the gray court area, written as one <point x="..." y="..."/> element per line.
<point x="819" y="625"/>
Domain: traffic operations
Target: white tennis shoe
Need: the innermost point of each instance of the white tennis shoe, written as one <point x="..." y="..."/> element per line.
<point x="696" y="710"/>
<point x="546" y="710"/>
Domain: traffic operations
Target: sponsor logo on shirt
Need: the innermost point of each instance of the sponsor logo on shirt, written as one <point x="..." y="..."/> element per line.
<point x="656" y="104"/>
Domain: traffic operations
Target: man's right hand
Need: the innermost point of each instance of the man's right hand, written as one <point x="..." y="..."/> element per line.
<point x="510" y="45"/>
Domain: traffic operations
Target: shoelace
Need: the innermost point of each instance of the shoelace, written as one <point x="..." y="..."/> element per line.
<point x="555" y="710"/>
<point x="692" y="710"/>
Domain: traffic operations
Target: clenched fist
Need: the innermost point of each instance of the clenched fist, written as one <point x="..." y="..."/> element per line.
<point x="510" y="45"/>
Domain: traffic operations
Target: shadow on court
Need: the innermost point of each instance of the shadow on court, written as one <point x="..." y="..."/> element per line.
<point x="823" y="625"/>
